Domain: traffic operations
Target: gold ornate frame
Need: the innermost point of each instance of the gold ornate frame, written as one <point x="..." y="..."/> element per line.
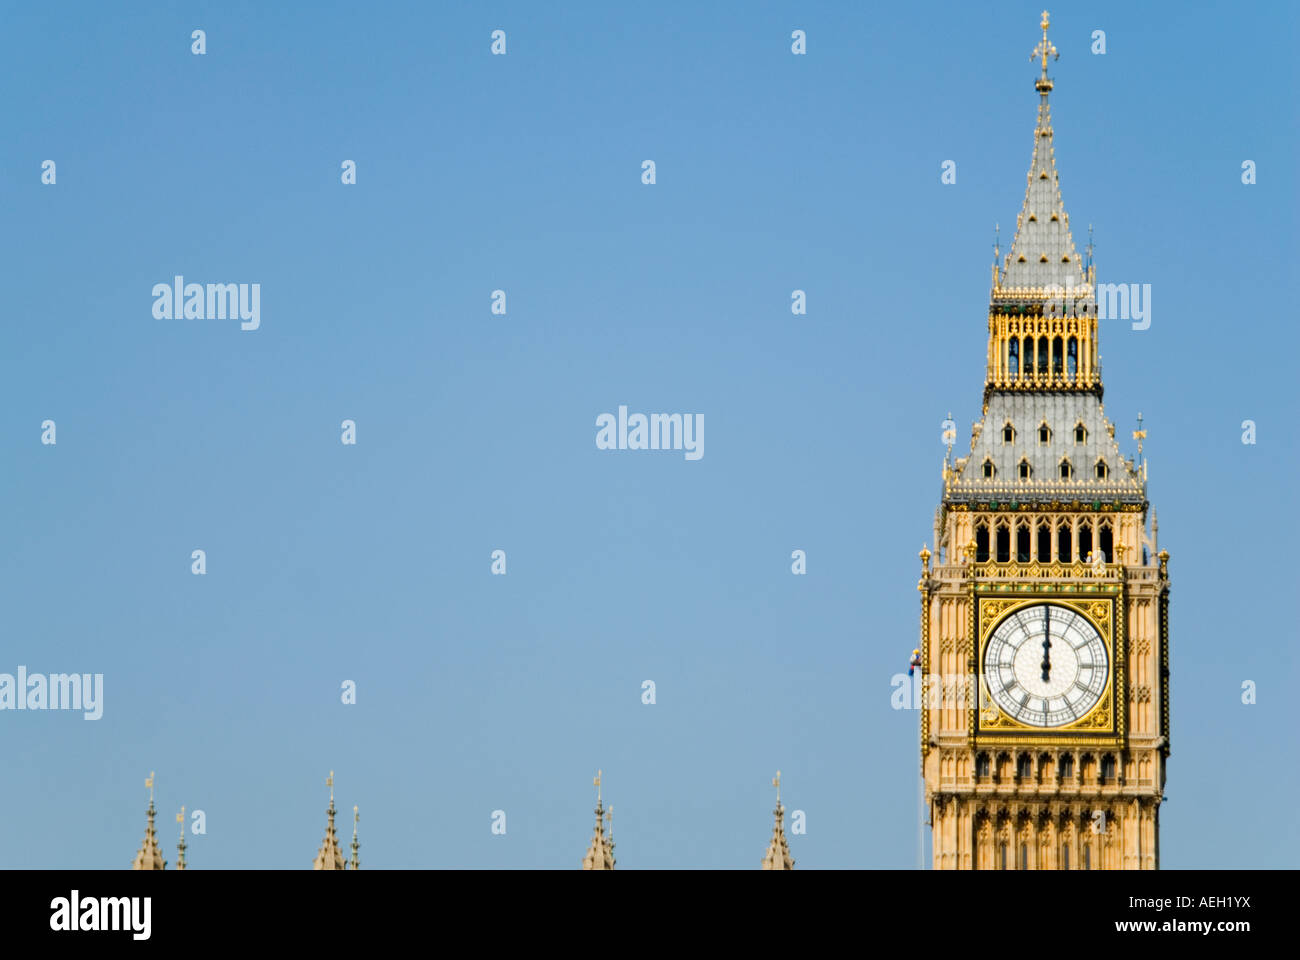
<point x="1105" y="725"/>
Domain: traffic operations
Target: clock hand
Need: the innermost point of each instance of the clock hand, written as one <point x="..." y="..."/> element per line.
<point x="1047" y="643"/>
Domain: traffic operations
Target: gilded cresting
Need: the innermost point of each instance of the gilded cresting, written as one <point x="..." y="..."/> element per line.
<point x="1051" y="755"/>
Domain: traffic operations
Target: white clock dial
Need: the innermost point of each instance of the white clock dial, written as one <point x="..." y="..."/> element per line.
<point x="1045" y="665"/>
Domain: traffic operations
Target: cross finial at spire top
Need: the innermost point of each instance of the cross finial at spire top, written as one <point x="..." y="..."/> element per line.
<point x="596" y="783"/>
<point x="149" y="783"/>
<point x="329" y="782"/>
<point x="1044" y="50"/>
<point x="776" y="782"/>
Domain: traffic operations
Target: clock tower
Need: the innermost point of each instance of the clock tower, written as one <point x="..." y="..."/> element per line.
<point x="1045" y="615"/>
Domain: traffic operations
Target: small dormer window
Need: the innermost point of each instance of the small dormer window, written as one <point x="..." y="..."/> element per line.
<point x="1080" y="433"/>
<point x="1044" y="434"/>
<point x="988" y="469"/>
<point x="1021" y="259"/>
<point x="1025" y="470"/>
<point x="1067" y="471"/>
<point x="1008" y="434"/>
<point x="1055" y="218"/>
<point x="1033" y="218"/>
<point x="1101" y="470"/>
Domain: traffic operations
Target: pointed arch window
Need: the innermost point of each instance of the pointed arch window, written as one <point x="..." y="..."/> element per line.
<point x="982" y="543"/>
<point x="1044" y="434"/>
<point x="1023" y="543"/>
<point x="1107" y="774"/>
<point x="989" y="469"/>
<point x="1023" y="767"/>
<point x="1008" y="433"/>
<point x="1003" y="543"/>
<point x="1067" y="471"/>
<point x="1025" y="470"/>
<point x="1042" y="352"/>
<point x="1101" y="470"/>
<point x="1080" y="433"/>
<point x="1044" y="542"/>
<point x="1063" y="543"/>
<point x="1013" y="357"/>
<point x="1106" y="542"/>
<point x="1058" y="356"/>
<point x="1072" y="358"/>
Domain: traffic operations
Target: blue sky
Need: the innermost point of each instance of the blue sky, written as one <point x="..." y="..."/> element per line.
<point x="476" y="432"/>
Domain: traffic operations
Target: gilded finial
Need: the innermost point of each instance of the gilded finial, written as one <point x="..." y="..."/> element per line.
<point x="778" y="851"/>
<point x="596" y="783"/>
<point x="1139" y="434"/>
<point x="356" y="847"/>
<point x="180" y="844"/>
<point x="329" y="782"/>
<point x="149" y="783"/>
<point x="1044" y="50"/>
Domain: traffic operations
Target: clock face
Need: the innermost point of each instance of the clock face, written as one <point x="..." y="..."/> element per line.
<point x="1045" y="665"/>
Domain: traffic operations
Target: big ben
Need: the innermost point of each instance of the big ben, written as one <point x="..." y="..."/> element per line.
<point x="1045" y="615"/>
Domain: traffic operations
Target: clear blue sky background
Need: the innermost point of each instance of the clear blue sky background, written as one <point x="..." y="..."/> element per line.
<point x="476" y="432"/>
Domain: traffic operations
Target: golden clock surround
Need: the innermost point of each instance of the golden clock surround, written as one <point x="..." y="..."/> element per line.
<point x="1102" y="726"/>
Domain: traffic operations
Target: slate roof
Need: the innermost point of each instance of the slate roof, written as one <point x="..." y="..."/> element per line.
<point x="1042" y="253"/>
<point x="1026" y="412"/>
<point x="1044" y="242"/>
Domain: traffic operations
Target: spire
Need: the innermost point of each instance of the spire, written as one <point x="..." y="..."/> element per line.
<point x="600" y="855"/>
<point x="1043" y="254"/>
<point x="180" y="844"/>
<point x="356" y="847"/>
<point x="330" y="856"/>
<point x="149" y="856"/>
<point x="778" y="851"/>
